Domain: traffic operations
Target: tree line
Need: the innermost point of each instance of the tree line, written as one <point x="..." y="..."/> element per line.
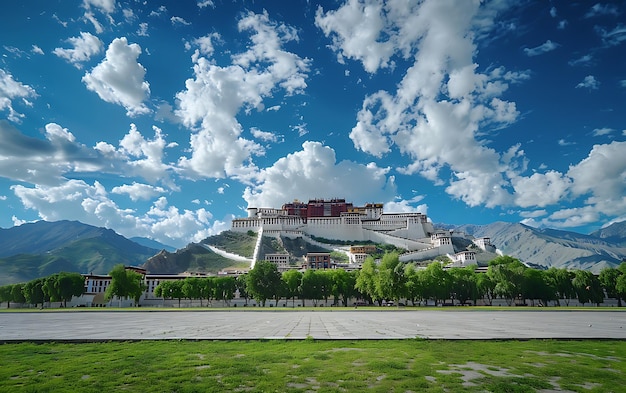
<point x="387" y="280"/>
<point x="59" y="287"/>
<point x="391" y="280"/>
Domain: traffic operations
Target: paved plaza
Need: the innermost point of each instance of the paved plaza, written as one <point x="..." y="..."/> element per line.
<point x="335" y="325"/>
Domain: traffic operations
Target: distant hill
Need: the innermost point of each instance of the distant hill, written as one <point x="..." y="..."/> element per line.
<point x="193" y="258"/>
<point x="144" y="241"/>
<point x="550" y="247"/>
<point x="42" y="248"/>
<point x="615" y="233"/>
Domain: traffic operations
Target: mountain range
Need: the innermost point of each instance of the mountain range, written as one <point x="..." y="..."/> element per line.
<point x="42" y="248"/>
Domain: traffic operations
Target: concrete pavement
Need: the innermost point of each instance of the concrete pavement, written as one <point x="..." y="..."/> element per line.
<point x="336" y="324"/>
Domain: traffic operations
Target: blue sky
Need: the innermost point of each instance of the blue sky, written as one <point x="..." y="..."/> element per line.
<point x="166" y="119"/>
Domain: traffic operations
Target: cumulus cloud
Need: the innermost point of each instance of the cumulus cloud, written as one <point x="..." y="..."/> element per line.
<point x="600" y="178"/>
<point x="314" y="170"/>
<point x="119" y="78"/>
<point x="541" y="190"/>
<point x="139" y="156"/>
<point x="590" y="82"/>
<point x="138" y="191"/>
<point x="10" y="89"/>
<point x="263" y="135"/>
<point x="205" y="44"/>
<point x="357" y="31"/>
<point x="547" y="46"/>
<point x="37" y="50"/>
<point x="217" y="94"/>
<point x="91" y="204"/>
<point x="443" y="99"/>
<point x="177" y="20"/>
<point x="85" y="46"/>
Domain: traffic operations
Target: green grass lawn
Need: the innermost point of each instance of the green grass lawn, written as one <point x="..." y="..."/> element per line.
<point x="315" y="366"/>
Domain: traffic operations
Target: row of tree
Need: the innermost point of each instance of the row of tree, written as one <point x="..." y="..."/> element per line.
<point x="59" y="287"/>
<point x="389" y="279"/>
<point x="506" y="278"/>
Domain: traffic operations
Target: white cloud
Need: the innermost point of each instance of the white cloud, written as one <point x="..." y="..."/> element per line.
<point x="37" y="50"/>
<point x="315" y="171"/>
<point x="205" y="44"/>
<point x="553" y="12"/>
<point x="590" y="82"/>
<point x="547" y="46"/>
<point x="602" y="9"/>
<point x="10" y="89"/>
<point x="212" y="100"/>
<point x="443" y="100"/>
<point x="205" y="3"/>
<point x="602" y="131"/>
<point x="119" y="78"/>
<point x="105" y="6"/>
<point x="357" y="29"/>
<point x="563" y="142"/>
<point x="138" y="156"/>
<point x="138" y="191"/>
<point x="602" y="173"/>
<point x="90" y="204"/>
<point x="142" y="31"/>
<point x="177" y="20"/>
<point x="541" y="190"/>
<point x="533" y="213"/>
<point x="263" y="135"/>
<point x="584" y="60"/>
<point x="85" y="46"/>
<point x="600" y="178"/>
<point x="613" y="37"/>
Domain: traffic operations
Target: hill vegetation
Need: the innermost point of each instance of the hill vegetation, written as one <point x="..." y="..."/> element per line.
<point x="193" y="258"/>
<point x="234" y="242"/>
<point x="43" y="248"/>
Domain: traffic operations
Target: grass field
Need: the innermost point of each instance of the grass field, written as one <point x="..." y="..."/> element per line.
<point x="315" y="366"/>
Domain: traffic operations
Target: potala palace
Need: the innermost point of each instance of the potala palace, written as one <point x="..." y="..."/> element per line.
<point x="336" y="219"/>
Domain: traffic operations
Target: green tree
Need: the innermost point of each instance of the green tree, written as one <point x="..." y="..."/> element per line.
<point x="463" y="283"/>
<point x="312" y="286"/>
<point x="240" y="285"/>
<point x="225" y="289"/>
<point x="17" y="293"/>
<point x="192" y="288"/>
<point x="588" y="287"/>
<point x="292" y="279"/>
<point x="5" y="294"/>
<point x="342" y="286"/>
<point x="414" y="288"/>
<point x="34" y="293"/>
<point x="562" y="280"/>
<point x="366" y="280"/>
<point x="486" y="288"/>
<point x="436" y="282"/>
<point x="263" y="281"/>
<point x="508" y="275"/>
<point x="65" y="286"/>
<point x="608" y="278"/>
<point x="390" y="281"/>
<point x="124" y="284"/>
<point x="538" y="284"/>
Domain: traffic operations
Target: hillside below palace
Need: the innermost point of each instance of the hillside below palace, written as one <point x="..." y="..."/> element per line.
<point x="336" y="219"/>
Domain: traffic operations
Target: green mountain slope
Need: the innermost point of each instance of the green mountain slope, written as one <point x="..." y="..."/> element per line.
<point x="193" y="258"/>
<point x="64" y="246"/>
